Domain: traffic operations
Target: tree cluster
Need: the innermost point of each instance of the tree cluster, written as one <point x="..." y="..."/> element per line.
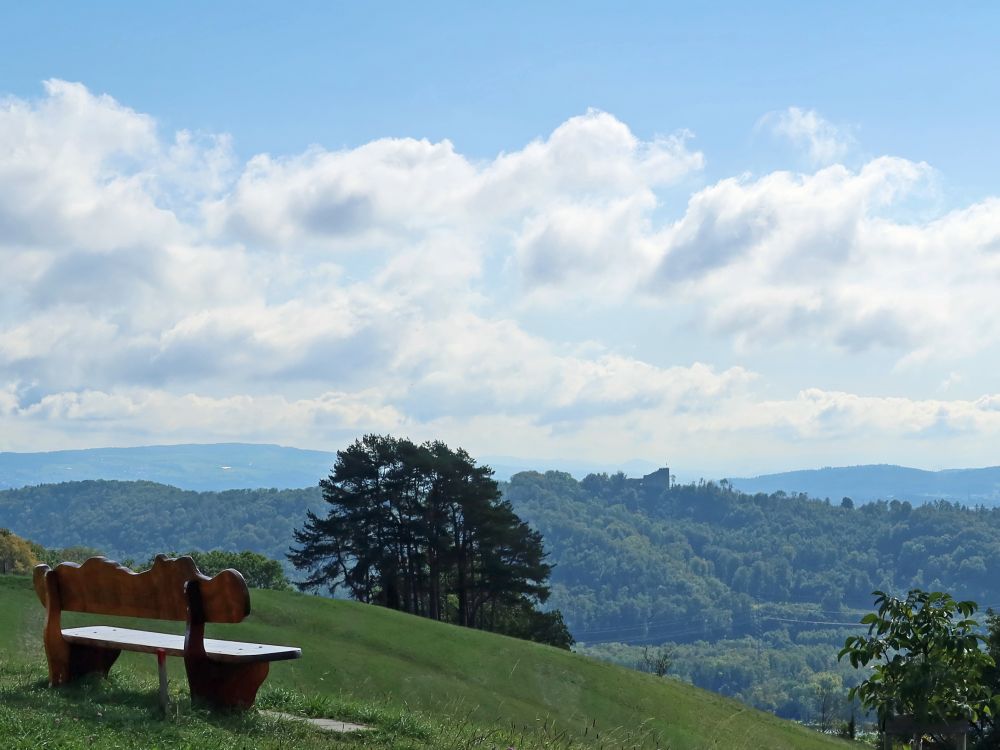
<point x="425" y="530"/>
<point x="17" y="555"/>
<point x="258" y="571"/>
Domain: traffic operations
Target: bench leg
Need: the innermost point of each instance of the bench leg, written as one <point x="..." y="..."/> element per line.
<point x="225" y="685"/>
<point x="85" y="660"/>
<point x="68" y="661"/>
<point x="76" y="661"/>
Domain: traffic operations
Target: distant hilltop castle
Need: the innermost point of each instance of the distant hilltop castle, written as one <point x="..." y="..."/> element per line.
<point x="659" y="479"/>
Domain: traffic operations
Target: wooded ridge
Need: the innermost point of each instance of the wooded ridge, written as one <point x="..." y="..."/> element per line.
<point x="632" y="561"/>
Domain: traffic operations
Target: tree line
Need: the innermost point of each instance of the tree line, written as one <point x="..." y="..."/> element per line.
<point x="424" y="529"/>
<point x="18" y="556"/>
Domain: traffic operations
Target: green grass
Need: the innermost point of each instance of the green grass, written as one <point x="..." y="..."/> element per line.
<point x="422" y="684"/>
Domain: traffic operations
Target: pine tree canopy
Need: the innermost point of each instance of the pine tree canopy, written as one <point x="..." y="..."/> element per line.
<point x="424" y="529"/>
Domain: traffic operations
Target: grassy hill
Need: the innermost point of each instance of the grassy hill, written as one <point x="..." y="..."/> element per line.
<point x="455" y="684"/>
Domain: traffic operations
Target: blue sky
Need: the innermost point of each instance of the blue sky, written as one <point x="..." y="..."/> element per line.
<point x="741" y="237"/>
<point x="918" y="83"/>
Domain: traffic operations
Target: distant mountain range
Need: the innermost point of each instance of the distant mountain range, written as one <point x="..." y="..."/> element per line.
<point x="883" y="481"/>
<point x="222" y="466"/>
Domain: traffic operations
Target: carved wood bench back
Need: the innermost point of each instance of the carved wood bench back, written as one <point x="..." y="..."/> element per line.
<point x="104" y="587"/>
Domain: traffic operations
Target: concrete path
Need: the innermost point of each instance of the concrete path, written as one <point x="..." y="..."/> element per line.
<point x="327" y="725"/>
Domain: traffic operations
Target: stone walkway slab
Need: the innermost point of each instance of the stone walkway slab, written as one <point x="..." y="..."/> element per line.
<point x="327" y="725"/>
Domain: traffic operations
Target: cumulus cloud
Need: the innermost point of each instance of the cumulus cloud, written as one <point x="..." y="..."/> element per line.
<point x="156" y="289"/>
<point x="154" y="281"/>
<point x="393" y="193"/>
<point x="819" y="259"/>
<point x="822" y="141"/>
<point x="470" y="366"/>
<point x="82" y="171"/>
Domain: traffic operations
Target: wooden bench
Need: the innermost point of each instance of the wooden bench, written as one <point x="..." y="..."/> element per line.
<point x="225" y="674"/>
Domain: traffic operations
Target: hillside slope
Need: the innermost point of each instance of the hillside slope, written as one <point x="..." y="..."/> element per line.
<point x="366" y="651"/>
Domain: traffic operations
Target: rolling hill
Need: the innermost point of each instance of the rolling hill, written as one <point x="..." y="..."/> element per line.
<point x="449" y="674"/>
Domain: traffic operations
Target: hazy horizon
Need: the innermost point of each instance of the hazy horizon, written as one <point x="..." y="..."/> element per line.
<point x="633" y="467"/>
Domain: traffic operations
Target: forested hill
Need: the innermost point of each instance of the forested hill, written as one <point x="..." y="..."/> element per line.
<point x="140" y="519"/>
<point x="634" y="561"/>
<point x="640" y="563"/>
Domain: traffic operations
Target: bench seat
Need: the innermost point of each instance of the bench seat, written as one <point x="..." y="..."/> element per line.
<point x="104" y="636"/>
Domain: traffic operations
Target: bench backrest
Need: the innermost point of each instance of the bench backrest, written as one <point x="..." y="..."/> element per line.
<point x="104" y="587"/>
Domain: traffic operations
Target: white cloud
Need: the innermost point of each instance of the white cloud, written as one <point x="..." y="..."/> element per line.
<point x="604" y="246"/>
<point x="816" y="413"/>
<point x="953" y="379"/>
<point x="816" y="259"/>
<point x="392" y="194"/>
<point x="75" y="172"/>
<point x="152" y="327"/>
<point x="470" y="366"/>
<point x="383" y="190"/>
<point x="589" y="156"/>
<point x="822" y="141"/>
<point x="127" y="416"/>
<point x="156" y="290"/>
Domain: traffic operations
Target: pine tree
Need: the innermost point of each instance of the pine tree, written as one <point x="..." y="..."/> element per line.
<point x="424" y="529"/>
